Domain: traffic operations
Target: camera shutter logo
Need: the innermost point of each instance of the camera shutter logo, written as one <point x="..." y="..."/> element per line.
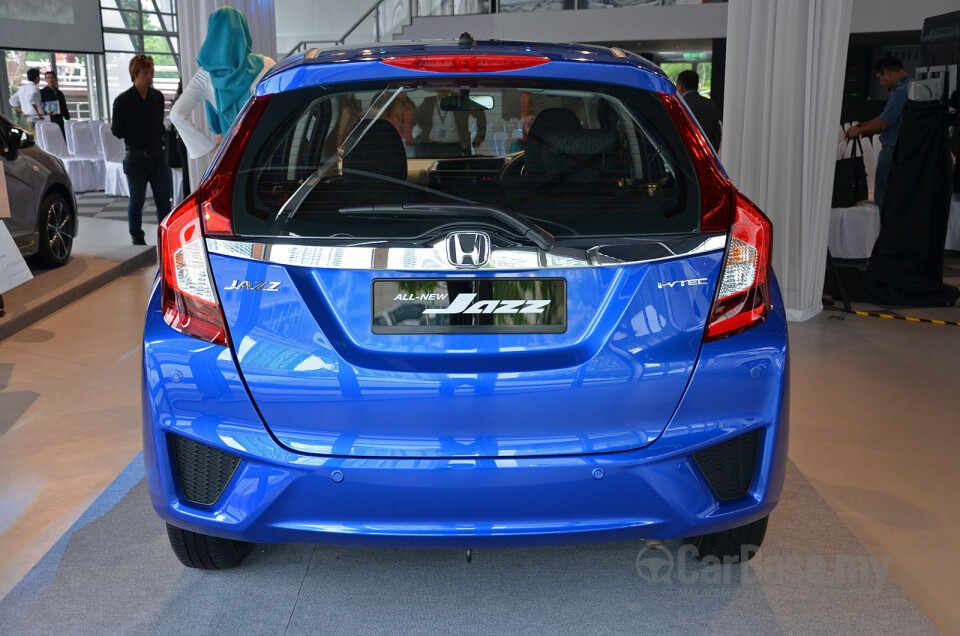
<point x="468" y="249"/>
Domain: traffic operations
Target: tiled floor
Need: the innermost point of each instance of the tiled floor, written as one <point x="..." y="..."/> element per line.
<point x="101" y="206"/>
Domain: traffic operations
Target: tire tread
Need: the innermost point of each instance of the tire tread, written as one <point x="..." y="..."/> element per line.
<point x="205" y="552"/>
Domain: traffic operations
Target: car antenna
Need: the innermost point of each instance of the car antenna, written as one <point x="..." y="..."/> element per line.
<point x="466" y="39"/>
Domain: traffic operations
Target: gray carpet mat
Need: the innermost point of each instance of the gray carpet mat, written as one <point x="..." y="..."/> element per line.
<point x="114" y="573"/>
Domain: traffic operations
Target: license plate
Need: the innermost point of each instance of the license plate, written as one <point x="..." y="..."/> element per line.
<point x="479" y="305"/>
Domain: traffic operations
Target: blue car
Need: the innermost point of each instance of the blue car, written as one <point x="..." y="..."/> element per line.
<point x="464" y="294"/>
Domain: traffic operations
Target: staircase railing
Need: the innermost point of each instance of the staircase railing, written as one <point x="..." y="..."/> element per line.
<point x="374" y="10"/>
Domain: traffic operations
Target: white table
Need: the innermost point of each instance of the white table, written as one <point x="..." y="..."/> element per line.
<point x="853" y="231"/>
<point x="953" y="225"/>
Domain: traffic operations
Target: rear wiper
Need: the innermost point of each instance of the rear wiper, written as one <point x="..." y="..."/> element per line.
<point x="530" y="230"/>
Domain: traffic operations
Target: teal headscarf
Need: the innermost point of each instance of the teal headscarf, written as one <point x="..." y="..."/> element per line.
<point x="227" y="56"/>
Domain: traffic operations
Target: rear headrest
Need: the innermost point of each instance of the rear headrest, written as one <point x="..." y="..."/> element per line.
<point x="548" y="123"/>
<point x="380" y="150"/>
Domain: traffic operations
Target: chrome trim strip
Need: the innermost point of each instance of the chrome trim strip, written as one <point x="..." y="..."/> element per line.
<point x="434" y="258"/>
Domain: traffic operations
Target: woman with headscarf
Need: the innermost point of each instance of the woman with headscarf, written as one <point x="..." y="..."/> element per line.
<point x="229" y="70"/>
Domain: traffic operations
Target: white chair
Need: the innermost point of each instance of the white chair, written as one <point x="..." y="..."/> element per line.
<point x="95" y="127"/>
<point x="68" y="129"/>
<point x="499" y="142"/>
<point x="82" y="171"/>
<point x="86" y="147"/>
<point x="177" y="187"/>
<point x="115" y="181"/>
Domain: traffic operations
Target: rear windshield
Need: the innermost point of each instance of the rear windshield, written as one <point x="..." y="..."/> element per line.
<point x="577" y="159"/>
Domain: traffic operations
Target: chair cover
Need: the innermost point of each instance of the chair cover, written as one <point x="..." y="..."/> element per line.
<point x="115" y="181"/>
<point x="82" y="171"/>
<point x="177" y="186"/>
<point x="87" y="147"/>
<point x="68" y="133"/>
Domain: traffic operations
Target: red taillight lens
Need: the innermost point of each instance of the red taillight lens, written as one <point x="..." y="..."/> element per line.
<point x="743" y="300"/>
<point x="189" y="303"/>
<point x="217" y="190"/>
<point x="466" y="63"/>
<point x="715" y="188"/>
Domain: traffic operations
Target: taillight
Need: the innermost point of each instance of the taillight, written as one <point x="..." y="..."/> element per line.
<point x="715" y="188"/>
<point x="466" y="63"/>
<point x="743" y="300"/>
<point x="189" y="302"/>
<point x="217" y="189"/>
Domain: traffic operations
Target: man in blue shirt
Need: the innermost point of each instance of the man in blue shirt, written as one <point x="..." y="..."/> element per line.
<point x="894" y="78"/>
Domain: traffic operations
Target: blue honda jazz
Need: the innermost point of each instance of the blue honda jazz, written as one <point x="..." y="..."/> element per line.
<point x="464" y="294"/>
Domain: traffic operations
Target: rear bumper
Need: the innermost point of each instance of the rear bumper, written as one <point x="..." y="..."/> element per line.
<point x="193" y="390"/>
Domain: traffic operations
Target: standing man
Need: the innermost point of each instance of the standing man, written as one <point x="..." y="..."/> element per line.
<point x="26" y="101"/>
<point x="138" y="120"/>
<point x="703" y="108"/>
<point x="52" y="93"/>
<point x="894" y="78"/>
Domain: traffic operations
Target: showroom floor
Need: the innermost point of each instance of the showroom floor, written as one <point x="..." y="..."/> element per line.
<point x="874" y="440"/>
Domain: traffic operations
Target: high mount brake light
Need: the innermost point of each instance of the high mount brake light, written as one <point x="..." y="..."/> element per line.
<point x="466" y="63"/>
<point x="189" y="302"/>
<point x="743" y="300"/>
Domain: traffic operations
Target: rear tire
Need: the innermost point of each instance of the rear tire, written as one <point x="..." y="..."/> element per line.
<point x="56" y="229"/>
<point x="204" y="552"/>
<point x="732" y="544"/>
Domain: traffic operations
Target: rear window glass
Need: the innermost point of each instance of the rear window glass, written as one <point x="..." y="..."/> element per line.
<point x="579" y="160"/>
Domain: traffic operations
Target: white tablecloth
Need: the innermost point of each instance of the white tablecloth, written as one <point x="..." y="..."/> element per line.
<point x="853" y="231"/>
<point x="953" y="225"/>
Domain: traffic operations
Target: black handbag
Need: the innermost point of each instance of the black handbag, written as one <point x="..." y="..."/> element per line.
<point x="850" y="179"/>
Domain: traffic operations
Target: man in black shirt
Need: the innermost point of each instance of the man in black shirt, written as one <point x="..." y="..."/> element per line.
<point x="52" y="93"/>
<point x="703" y="108"/>
<point x="138" y="120"/>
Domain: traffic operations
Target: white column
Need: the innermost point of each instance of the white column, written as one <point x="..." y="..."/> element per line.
<point x="784" y="84"/>
<point x="193" y="29"/>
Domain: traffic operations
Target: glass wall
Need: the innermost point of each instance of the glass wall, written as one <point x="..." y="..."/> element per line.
<point x="90" y="83"/>
<point x="140" y="26"/>
<point x="703" y="69"/>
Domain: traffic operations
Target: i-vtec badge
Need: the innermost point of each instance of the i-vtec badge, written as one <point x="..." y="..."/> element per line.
<point x="256" y="285"/>
<point x="463" y="304"/>
<point x="683" y="283"/>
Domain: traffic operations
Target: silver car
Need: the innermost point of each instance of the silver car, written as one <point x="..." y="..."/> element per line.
<point x="43" y="206"/>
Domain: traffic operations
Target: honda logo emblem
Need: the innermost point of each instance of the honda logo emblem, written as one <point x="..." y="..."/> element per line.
<point x="468" y="249"/>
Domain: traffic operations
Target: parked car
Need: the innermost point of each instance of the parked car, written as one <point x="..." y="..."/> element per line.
<point x="43" y="207"/>
<point x="373" y="326"/>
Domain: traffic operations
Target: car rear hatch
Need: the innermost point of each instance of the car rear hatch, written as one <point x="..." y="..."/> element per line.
<point x="384" y="298"/>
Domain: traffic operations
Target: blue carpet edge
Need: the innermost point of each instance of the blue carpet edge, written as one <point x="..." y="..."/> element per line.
<point x="42" y="574"/>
